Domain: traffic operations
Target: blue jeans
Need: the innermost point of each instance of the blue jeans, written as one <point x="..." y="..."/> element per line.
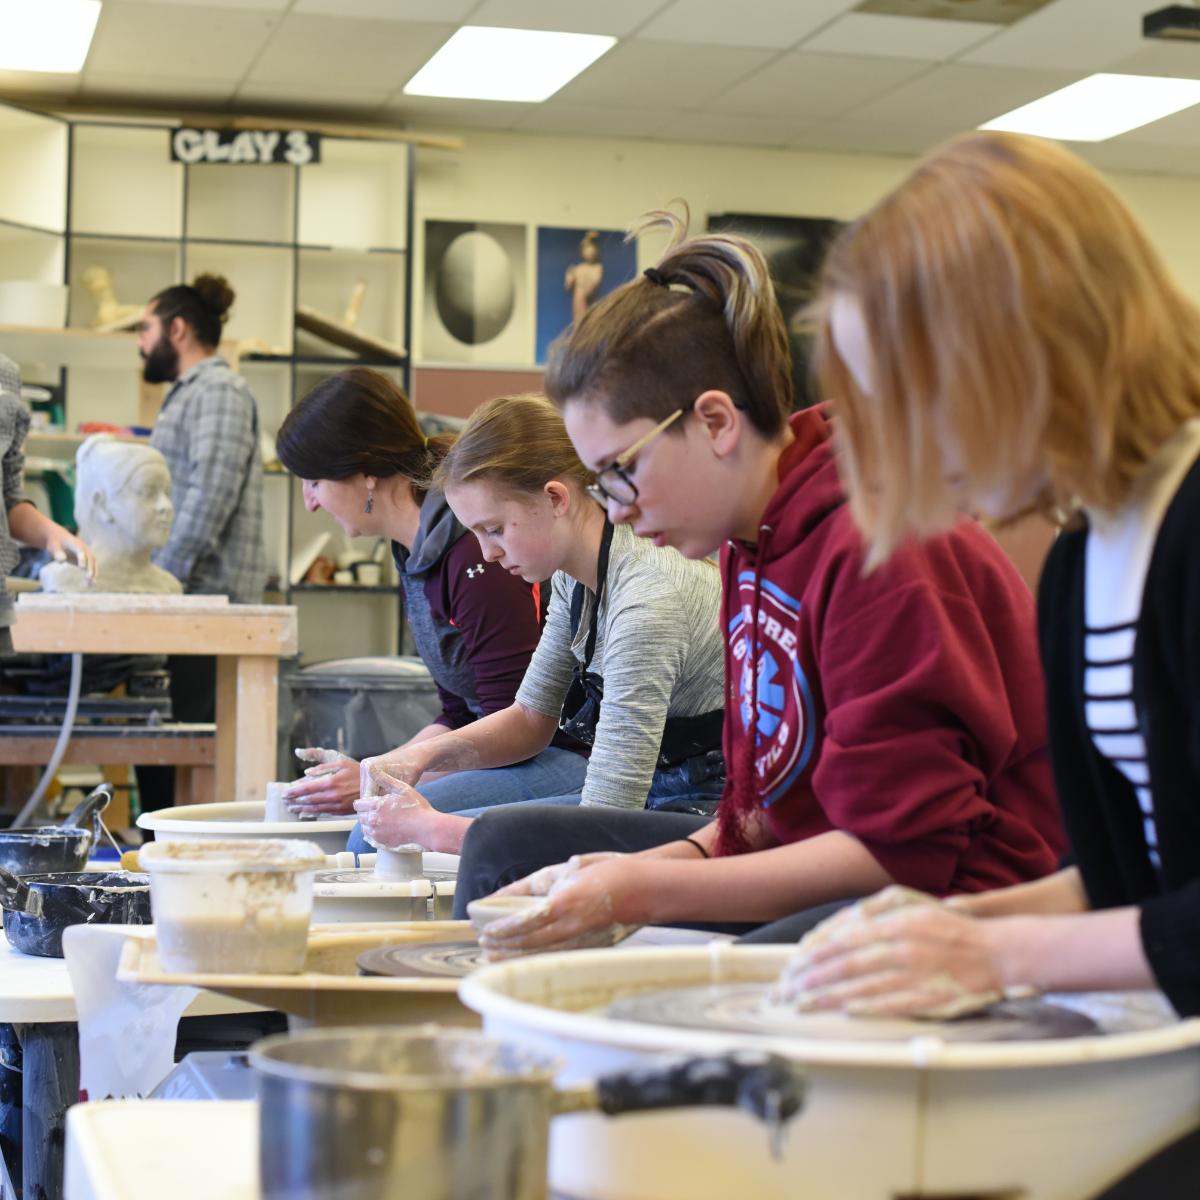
<point x="555" y="772"/>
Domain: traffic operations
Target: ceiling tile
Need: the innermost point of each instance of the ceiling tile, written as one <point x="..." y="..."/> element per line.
<point x="661" y="74"/>
<point x="327" y="52"/>
<point x="1068" y="35"/>
<point x="873" y="137"/>
<point x="367" y="99"/>
<point x="389" y="10"/>
<point x="595" y="121"/>
<point x="100" y="83"/>
<point x="262" y="5"/>
<point x="616" y="17"/>
<point x="1120" y="154"/>
<point x="1181" y="129"/>
<point x="1178" y="59"/>
<point x="193" y="42"/>
<point x="770" y="23"/>
<point x="899" y="37"/>
<point x="419" y="111"/>
<point x="965" y="96"/>
<point x="727" y="129"/>
<point x="815" y="85"/>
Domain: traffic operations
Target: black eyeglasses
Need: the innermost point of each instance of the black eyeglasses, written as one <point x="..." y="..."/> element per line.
<point x="613" y="482"/>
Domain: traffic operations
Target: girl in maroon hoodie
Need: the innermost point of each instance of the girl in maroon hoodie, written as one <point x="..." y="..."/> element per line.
<point x="882" y="727"/>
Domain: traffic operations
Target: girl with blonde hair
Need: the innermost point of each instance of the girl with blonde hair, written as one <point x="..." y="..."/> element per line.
<point x="1000" y="334"/>
<point x="629" y="661"/>
<point x="883" y="727"/>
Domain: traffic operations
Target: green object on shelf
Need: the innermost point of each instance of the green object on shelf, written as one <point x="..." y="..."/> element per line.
<point x="62" y="496"/>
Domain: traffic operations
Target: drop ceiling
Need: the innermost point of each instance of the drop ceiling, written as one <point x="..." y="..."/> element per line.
<point x="838" y="75"/>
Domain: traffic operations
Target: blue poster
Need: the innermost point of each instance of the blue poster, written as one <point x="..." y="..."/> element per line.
<point x="575" y="267"/>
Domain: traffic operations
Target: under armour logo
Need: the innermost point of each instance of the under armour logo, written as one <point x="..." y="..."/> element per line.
<point x="477" y="569"/>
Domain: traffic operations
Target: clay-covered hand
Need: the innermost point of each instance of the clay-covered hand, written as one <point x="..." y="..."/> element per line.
<point x="889" y="899"/>
<point x="392" y="820"/>
<point x="909" y="960"/>
<point x="66" y="547"/>
<point x="330" y="785"/>
<point x="581" y="908"/>
<point x="543" y="881"/>
<point x="382" y="773"/>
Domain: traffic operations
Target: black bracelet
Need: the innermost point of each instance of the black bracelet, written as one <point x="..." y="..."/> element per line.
<point x="698" y="846"/>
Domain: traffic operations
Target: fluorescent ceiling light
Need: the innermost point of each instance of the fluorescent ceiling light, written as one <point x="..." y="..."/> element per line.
<point x="52" y="36"/>
<point x="482" y="63"/>
<point x="1100" y="107"/>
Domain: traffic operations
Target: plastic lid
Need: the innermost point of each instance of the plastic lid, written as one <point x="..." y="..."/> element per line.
<point x="245" y="854"/>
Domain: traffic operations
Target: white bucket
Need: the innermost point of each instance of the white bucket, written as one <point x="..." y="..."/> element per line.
<point x="232" y="907"/>
<point x="33" y="303"/>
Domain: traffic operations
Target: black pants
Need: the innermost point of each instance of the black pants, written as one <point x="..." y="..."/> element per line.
<point x="507" y="843"/>
<point x="193" y="699"/>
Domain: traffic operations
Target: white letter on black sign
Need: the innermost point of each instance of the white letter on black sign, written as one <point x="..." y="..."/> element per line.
<point x="265" y="143"/>
<point x="188" y="145"/>
<point x="298" y="150"/>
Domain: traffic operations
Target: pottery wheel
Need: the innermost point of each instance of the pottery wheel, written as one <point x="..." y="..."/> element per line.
<point x="443" y="959"/>
<point x="739" y="1008"/>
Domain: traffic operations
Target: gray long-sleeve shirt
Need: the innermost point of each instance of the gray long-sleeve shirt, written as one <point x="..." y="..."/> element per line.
<point x="14" y="425"/>
<point x="658" y="650"/>
<point x="208" y="433"/>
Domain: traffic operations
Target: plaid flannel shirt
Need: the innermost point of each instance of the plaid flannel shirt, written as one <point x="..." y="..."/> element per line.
<point x="208" y="433"/>
<point x="14" y="425"/>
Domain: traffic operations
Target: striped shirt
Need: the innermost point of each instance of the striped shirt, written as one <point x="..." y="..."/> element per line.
<point x="1117" y="560"/>
<point x="658" y="650"/>
<point x="208" y="433"/>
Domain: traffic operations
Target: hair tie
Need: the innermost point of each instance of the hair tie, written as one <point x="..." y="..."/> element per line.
<point x="426" y="443"/>
<point x="656" y="277"/>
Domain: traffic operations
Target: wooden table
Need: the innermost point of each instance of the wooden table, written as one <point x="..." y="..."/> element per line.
<point x="248" y="640"/>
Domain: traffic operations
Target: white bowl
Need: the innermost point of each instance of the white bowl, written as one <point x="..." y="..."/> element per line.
<point x="242" y="819"/>
<point x="486" y="909"/>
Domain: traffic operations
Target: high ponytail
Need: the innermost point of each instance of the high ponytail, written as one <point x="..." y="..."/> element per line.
<point x="703" y="318"/>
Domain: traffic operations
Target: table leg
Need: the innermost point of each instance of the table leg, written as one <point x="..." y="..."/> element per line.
<point x="49" y="1086"/>
<point x="10" y="1104"/>
<point x="247" y="715"/>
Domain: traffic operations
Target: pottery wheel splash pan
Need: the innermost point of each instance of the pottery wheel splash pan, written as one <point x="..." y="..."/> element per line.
<point x="742" y="1008"/>
<point x="445" y="960"/>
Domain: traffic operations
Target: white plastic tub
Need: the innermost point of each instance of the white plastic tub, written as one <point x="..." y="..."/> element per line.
<point x="232" y="907"/>
<point x="1042" y="1120"/>
<point x="242" y="819"/>
<point x="33" y="303"/>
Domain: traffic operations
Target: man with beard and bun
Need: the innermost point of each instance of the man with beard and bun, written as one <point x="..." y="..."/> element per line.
<point x="208" y="433"/>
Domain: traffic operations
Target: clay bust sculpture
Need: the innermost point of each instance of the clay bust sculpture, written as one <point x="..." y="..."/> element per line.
<point x="583" y="278"/>
<point x="123" y="510"/>
<point x="111" y="315"/>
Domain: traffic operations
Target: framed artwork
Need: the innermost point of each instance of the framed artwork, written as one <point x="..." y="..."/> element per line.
<point x="575" y="267"/>
<point x="794" y="248"/>
<point x="476" y="304"/>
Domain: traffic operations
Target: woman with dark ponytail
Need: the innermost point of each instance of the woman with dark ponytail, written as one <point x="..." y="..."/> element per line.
<point x="355" y="443"/>
<point x="881" y="727"/>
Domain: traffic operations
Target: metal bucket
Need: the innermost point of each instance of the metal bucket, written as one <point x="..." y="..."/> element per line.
<point x="426" y="1114"/>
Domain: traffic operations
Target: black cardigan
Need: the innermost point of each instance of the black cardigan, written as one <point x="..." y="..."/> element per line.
<point x="1100" y="807"/>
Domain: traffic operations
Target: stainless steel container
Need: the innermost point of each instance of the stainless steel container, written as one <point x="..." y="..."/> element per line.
<point x="427" y="1114"/>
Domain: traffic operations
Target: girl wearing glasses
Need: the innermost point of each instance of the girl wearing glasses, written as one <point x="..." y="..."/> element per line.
<point x="629" y="661"/>
<point x="355" y="442"/>
<point x="881" y="727"/>
<point x="1082" y="393"/>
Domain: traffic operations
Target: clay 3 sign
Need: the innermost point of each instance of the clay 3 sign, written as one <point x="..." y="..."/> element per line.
<point x="293" y="146"/>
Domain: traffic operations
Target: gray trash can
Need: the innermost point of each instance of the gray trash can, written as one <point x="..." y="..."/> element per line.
<point x="367" y="705"/>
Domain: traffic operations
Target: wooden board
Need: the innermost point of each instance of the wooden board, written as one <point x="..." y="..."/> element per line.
<point x="340" y="334"/>
<point x="329" y="990"/>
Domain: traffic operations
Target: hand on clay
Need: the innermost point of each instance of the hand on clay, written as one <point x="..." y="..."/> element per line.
<point x="543" y="882"/>
<point x="910" y="959"/>
<point x="331" y="785"/>
<point x="889" y="899"/>
<point x="581" y="908"/>
<point x="391" y="821"/>
<point x="66" y="547"/>
<point x="382" y="773"/>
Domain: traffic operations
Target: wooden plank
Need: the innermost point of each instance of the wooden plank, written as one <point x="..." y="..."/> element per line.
<point x="148" y="750"/>
<point x="256" y="724"/>
<point x="340" y="334"/>
<point x="237" y="629"/>
<point x="227" y="718"/>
